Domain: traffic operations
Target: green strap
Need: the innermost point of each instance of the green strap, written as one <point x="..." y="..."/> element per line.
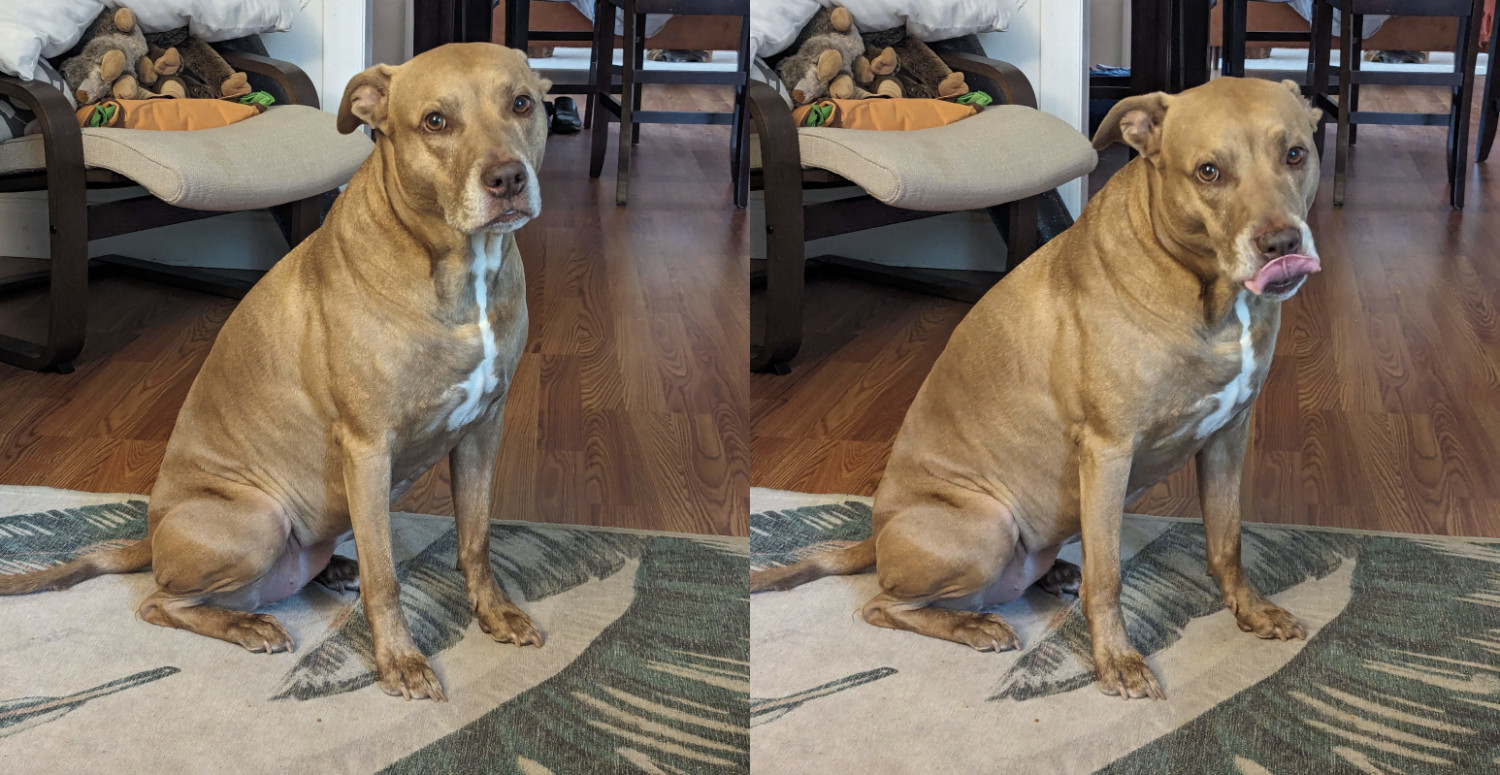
<point x="975" y="98"/>
<point x="818" y="115"/>
<point x="101" y="115"/>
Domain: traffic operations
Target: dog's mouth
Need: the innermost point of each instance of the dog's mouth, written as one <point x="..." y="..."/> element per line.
<point x="508" y="218"/>
<point x="1281" y="276"/>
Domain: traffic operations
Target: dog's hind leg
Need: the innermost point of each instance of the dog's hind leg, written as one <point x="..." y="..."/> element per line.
<point x="945" y="549"/>
<point x="213" y="557"/>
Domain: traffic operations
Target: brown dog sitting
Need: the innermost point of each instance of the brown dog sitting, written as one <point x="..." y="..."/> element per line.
<point x="383" y="343"/>
<point x="1132" y="343"/>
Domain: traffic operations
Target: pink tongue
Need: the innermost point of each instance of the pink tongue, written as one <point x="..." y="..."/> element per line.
<point x="1284" y="268"/>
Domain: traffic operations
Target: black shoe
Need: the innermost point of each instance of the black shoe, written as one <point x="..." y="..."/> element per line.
<point x="564" y="113"/>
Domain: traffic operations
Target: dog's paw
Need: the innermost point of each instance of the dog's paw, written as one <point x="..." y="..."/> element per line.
<point x="1064" y="578"/>
<point x="508" y="624"/>
<point x="407" y="674"/>
<point x="1268" y="620"/>
<point x="341" y="574"/>
<point x="1125" y="674"/>
<point x="259" y="633"/>
<point x="986" y="632"/>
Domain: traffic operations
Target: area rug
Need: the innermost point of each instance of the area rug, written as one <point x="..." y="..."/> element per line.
<point x="645" y="667"/>
<point x="1400" y="672"/>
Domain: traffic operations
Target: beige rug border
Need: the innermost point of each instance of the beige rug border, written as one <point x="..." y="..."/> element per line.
<point x="33" y="490"/>
<point x="767" y="492"/>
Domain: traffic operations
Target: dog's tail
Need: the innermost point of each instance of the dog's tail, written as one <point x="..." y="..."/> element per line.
<point x="123" y="559"/>
<point x="839" y="562"/>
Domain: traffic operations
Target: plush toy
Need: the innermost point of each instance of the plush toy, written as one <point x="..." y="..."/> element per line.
<point x="110" y="60"/>
<point x="821" y="63"/>
<point x="189" y="67"/>
<point x="918" y="71"/>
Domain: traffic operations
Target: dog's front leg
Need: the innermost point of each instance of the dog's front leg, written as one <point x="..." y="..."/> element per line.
<point x="1220" y="465"/>
<point x="367" y="481"/>
<point x="472" y="464"/>
<point x="1104" y="476"/>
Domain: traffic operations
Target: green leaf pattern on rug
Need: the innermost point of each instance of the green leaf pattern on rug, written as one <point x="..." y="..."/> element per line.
<point x="31" y="542"/>
<point x="1405" y="679"/>
<point x="538" y="562"/>
<point x="1163" y="588"/>
<point x="664" y="689"/>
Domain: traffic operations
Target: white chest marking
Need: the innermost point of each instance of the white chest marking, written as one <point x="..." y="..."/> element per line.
<point x="1238" y="389"/>
<point x="485" y="251"/>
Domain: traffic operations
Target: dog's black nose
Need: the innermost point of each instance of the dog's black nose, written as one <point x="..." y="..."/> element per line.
<point x="1275" y="244"/>
<point x="505" y="180"/>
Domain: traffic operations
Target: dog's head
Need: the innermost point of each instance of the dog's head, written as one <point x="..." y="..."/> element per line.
<point x="1233" y="171"/>
<point x="464" y="127"/>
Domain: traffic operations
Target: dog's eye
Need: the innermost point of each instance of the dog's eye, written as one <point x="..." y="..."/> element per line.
<point x="522" y="105"/>
<point x="1296" y="156"/>
<point x="434" y="122"/>
<point x="1208" y="173"/>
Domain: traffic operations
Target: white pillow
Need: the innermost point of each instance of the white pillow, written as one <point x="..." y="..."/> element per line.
<point x="40" y="28"/>
<point x="774" y="24"/>
<point x="213" y="20"/>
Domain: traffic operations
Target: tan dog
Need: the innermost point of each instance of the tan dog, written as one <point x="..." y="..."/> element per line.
<point x="1134" y="341"/>
<point x="381" y="344"/>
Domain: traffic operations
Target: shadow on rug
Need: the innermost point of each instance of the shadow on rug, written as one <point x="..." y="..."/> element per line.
<point x="1400" y="673"/>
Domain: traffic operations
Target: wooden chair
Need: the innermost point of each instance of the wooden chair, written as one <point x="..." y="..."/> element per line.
<point x="285" y="160"/>
<point x="633" y="75"/>
<point x="904" y="176"/>
<point x="1460" y="81"/>
<point x="1489" y="111"/>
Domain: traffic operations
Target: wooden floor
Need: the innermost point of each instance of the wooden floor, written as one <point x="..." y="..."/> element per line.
<point x="628" y="410"/>
<point x="1382" y="408"/>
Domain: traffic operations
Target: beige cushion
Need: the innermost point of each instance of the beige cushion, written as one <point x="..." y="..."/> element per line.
<point x="1003" y="154"/>
<point x="287" y="153"/>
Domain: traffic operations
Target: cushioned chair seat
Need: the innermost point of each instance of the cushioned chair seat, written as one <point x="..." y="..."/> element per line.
<point x="1003" y="154"/>
<point x="288" y="153"/>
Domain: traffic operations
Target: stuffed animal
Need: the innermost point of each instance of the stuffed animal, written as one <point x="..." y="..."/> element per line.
<point x="110" y="60"/>
<point x="918" y="70"/>
<point x="822" y="63"/>
<point x="875" y="70"/>
<point x="189" y="67"/>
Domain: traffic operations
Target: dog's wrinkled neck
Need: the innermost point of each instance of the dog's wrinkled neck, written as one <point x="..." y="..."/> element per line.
<point x="404" y="226"/>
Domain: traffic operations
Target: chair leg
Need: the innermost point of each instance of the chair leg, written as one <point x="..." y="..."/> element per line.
<point x="68" y="274"/>
<point x="603" y="79"/>
<point x="639" y="62"/>
<point x="1234" y="38"/>
<point x="1319" y="51"/>
<point x="1470" y="55"/>
<point x="739" y="143"/>
<point x="1489" y="110"/>
<point x="1356" y="29"/>
<point x="305" y="216"/>
<point x="1341" y="147"/>
<point x="1020" y="235"/>
<point x="627" y="114"/>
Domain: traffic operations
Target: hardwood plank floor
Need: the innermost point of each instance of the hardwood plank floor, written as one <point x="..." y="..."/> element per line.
<point x="1382" y="408"/>
<point x="628" y="409"/>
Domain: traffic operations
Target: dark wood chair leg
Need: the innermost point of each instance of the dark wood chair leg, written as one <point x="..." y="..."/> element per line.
<point x="1357" y="30"/>
<point x="603" y="79"/>
<point x="1341" y="143"/>
<point x="1468" y="56"/>
<point x="306" y="215"/>
<point x="1021" y="236"/>
<point x="627" y="92"/>
<point x="1234" y="38"/>
<point x="67" y="223"/>
<point x="781" y="177"/>
<point x="639" y="63"/>
<point x="1489" y="110"/>
<point x="739" y="150"/>
<point x="1319" y="51"/>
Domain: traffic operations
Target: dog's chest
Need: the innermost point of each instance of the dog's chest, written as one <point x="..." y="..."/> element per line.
<point x="464" y="401"/>
<point x="1233" y="371"/>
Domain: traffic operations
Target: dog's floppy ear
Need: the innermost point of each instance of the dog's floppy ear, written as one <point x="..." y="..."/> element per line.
<point x="1136" y="122"/>
<point x="365" y="99"/>
<point x="1314" y="113"/>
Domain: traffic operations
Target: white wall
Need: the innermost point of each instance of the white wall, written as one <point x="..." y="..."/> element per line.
<point x="330" y="41"/>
